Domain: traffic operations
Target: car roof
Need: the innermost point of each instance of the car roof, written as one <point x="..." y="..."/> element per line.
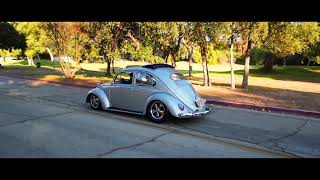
<point x="155" y="69"/>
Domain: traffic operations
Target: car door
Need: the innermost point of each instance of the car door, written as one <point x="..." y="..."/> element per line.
<point x="144" y="86"/>
<point x="121" y="91"/>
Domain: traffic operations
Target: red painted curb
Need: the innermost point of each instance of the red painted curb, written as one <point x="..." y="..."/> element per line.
<point x="209" y="101"/>
<point x="266" y="108"/>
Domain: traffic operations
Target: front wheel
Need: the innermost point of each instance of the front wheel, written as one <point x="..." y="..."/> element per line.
<point x="157" y="112"/>
<point x="95" y="102"/>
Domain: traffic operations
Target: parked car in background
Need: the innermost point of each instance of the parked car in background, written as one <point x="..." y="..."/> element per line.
<point x="157" y="91"/>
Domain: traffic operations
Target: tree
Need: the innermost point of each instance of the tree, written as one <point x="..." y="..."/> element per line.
<point x="16" y="52"/>
<point x="108" y="37"/>
<point x="50" y="53"/>
<point x="309" y="33"/>
<point x="252" y="34"/>
<point x="4" y="53"/>
<point x="36" y="38"/>
<point x="30" y="53"/>
<point x="10" y="38"/>
<point x="289" y="38"/>
<point x="205" y="33"/>
<point x="189" y="43"/>
<point x="313" y="53"/>
<point x="201" y="38"/>
<point x="232" y="40"/>
<point x="68" y="39"/>
<point x="165" y="37"/>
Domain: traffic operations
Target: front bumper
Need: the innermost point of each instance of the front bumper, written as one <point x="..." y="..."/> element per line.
<point x="208" y="110"/>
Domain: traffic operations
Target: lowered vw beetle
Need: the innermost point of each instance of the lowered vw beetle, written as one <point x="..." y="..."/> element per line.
<point x="156" y="90"/>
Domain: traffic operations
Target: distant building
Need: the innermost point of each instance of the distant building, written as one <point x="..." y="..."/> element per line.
<point x="65" y="58"/>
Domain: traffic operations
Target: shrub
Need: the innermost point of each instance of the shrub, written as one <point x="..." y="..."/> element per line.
<point x="213" y="56"/>
<point x="16" y="52"/>
<point x="257" y="57"/>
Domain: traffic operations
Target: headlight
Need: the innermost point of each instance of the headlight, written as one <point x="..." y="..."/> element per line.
<point x="181" y="107"/>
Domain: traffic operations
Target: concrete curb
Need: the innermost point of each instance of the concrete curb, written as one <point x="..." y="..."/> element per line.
<point x="48" y="81"/>
<point x="314" y="114"/>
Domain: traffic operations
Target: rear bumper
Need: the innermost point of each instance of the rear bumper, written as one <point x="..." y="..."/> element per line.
<point x="208" y="110"/>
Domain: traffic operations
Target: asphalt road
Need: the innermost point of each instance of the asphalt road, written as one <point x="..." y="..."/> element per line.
<point x="42" y="120"/>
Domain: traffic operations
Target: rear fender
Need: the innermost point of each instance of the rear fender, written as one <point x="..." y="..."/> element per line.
<point x="170" y="101"/>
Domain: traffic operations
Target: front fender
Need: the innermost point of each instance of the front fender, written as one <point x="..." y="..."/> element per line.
<point x="170" y="101"/>
<point x="105" y="103"/>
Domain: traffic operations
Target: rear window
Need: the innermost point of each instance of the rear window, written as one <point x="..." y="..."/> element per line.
<point x="177" y="76"/>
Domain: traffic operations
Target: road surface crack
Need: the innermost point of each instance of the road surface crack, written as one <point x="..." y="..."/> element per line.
<point x="34" y="118"/>
<point x="288" y="135"/>
<point x="135" y="145"/>
<point x="252" y="142"/>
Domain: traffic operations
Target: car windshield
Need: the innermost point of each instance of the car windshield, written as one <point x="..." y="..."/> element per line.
<point x="177" y="76"/>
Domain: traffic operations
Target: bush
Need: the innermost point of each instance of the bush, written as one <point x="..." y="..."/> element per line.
<point x="213" y="56"/>
<point x="257" y="57"/>
<point x="317" y="59"/>
<point x="16" y="52"/>
<point x="4" y="53"/>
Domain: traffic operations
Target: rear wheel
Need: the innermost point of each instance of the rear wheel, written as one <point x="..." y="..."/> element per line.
<point x="95" y="102"/>
<point x="157" y="112"/>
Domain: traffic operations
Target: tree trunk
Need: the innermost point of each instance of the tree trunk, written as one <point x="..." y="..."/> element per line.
<point x="233" y="84"/>
<point x="246" y="66"/>
<point x="51" y="55"/>
<point x="112" y="61"/>
<point x="285" y="61"/>
<point x="167" y="56"/>
<point x="190" y="60"/>
<point x="108" y="65"/>
<point x="30" y="61"/>
<point x="309" y="60"/>
<point x="268" y="63"/>
<point x="173" y="59"/>
<point x="206" y="81"/>
<point x="209" y="80"/>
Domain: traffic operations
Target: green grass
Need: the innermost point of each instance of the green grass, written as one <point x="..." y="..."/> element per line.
<point x="293" y="73"/>
<point x="15" y="64"/>
<point x="98" y="70"/>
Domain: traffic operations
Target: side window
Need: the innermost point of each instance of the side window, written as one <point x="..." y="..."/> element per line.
<point x="143" y="79"/>
<point x="124" y="78"/>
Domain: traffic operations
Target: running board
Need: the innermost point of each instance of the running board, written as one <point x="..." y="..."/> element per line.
<point x="124" y="111"/>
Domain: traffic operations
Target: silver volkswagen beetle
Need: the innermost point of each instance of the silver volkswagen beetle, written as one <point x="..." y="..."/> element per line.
<point x="156" y="90"/>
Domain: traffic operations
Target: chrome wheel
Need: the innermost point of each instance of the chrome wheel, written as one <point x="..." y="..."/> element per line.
<point x="157" y="110"/>
<point x="94" y="101"/>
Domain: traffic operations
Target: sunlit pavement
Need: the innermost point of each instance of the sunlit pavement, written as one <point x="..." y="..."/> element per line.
<point x="38" y="120"/>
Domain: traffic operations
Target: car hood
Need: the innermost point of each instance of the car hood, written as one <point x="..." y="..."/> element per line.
<point x="186" y="93"/>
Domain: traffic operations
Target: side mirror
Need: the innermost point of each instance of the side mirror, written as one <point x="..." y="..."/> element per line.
<point x="98" y="84"/>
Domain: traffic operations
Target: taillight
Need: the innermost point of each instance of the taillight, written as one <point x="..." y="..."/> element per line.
<point x="181" y="107"/>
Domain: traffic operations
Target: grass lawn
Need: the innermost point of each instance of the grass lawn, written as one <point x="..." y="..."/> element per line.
<point x="290" y="86"/>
